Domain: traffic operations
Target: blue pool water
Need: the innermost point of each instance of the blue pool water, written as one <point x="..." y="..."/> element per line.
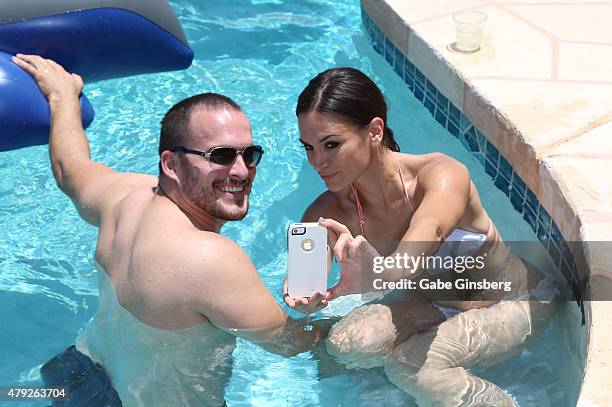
<point x="261" y="53"/>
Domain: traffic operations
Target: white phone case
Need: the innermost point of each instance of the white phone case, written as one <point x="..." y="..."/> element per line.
<point x="307" y="259"/>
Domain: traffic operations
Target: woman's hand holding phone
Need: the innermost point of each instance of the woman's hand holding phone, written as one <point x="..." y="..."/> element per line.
<point x="349" y="252"/>
<point x="307" y="260"/>
<point x="304" y="305"/>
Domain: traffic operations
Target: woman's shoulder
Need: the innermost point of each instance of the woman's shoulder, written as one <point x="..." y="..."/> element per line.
<point x="326" y="205"/>
<point x="438" y="163"/>
<point x="417" y="162"/>
<point x="433" y="168"/>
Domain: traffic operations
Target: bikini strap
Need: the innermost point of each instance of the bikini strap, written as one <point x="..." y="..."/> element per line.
<point x="399" y="168"/>
<point x="360" y="212"/>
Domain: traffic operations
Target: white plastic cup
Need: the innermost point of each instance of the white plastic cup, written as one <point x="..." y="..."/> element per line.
<point x="468" y="26"/>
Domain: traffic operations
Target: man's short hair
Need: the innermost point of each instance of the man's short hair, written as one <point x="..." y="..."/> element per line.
<point x="176" y="120"/>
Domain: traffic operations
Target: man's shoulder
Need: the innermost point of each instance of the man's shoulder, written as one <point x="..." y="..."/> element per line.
<point x="209" y="248"/>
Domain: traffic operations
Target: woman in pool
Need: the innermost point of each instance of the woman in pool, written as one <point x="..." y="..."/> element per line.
<point x="381" y="202"/>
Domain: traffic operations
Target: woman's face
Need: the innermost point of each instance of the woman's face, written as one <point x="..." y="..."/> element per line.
<point x="338" y="150"/>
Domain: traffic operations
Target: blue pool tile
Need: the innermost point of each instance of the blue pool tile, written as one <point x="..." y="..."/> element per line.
<point x="454" y="130"/>
<point x="389" y="56"/>
<point x="490" y="168"/>
<point x="577" y="292"/>
<point x="388" y="43"/>
<point x="518" y="184"/>
<point x="441" y="117"/>
<point x="465" y="123"/>
<point x="472" y="140"/>
<point x="366" y="26"/>
<point x="531" y="200"/>
<point x="442" y="101"/>
<point x="555" y="253"/>
<point x="482" y="146"/>
<point x="399" y="56"/>
<point x="367" y="23"/>
<point x="430" y="105"/>
<point x="443" y="109"/>
<point x="566" y="271"/>
<point x="409" y="83"/>
<point x="578" y="271"/>
<point x="505" y="169"/>
<point x="431" y="90"/>
<point x="409" y="67"/>
<point x="378" y="45"/>
<point x="454" y="114"/>
<point x="409" y="75"/>
<point x="492" y="154"/>
<point x="568" y="256"/>
<point x="372" y="33"/>
<point x="464" y="141"/>
<point x="480" y="158"/>
<point x="543" y="236"/>
<point x="418" y="92"/>
<point x="517" y="200"/>
<point x="374" y="30"/>
<point x="399" y="65"/>
<point x="503" y="184"/>
<point x="545" y="219"/>
<point x="419" y="78"/>
<point x="482" y="140"/>
<point x="555" y="233"/>
<point x="378" y="34"/>
<point x="531" y="218"/>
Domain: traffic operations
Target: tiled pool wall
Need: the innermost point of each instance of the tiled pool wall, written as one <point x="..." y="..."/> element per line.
<point x="495" y="165"/>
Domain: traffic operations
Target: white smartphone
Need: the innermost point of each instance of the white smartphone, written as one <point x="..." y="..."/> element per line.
<point x="306" y="259"/>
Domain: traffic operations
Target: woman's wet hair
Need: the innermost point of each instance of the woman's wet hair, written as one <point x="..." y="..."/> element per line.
<point x="350" y="94"/>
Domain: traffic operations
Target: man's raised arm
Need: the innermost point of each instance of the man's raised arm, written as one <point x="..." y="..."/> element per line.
<point x="91" y="186"/>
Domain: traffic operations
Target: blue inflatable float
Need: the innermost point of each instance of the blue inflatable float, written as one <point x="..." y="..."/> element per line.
<point x="98" y="39"/>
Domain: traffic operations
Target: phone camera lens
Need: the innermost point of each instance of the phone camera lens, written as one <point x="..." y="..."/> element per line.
<point x="298" y="231"/>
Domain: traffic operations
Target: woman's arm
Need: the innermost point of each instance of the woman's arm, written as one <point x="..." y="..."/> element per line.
<point x="445" y="189"/>
<point x="444" y="186"/>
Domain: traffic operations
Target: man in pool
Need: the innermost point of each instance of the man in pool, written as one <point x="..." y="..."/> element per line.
<point x="174" y="293"/>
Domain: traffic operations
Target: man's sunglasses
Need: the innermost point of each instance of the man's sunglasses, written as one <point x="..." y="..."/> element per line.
<point x="227" y="155"/>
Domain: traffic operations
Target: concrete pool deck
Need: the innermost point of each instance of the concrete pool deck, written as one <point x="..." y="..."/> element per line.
<point x="540" y="90"/>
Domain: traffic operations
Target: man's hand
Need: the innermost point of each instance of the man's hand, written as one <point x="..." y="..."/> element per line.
<point x="54" y="82"/>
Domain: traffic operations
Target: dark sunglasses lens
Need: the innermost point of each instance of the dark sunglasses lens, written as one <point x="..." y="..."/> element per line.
<point x="223" y="156"/>
<point x="252" y="155"/>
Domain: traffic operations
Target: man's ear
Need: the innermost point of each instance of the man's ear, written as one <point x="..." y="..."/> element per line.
<point x="375" y="131"/>
<point x="169" y="163"/>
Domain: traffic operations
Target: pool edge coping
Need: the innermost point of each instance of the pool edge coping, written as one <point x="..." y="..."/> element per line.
<point x="539" y="174"/>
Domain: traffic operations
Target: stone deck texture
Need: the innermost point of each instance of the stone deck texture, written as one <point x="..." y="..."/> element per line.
<point x="540" y="89"/>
